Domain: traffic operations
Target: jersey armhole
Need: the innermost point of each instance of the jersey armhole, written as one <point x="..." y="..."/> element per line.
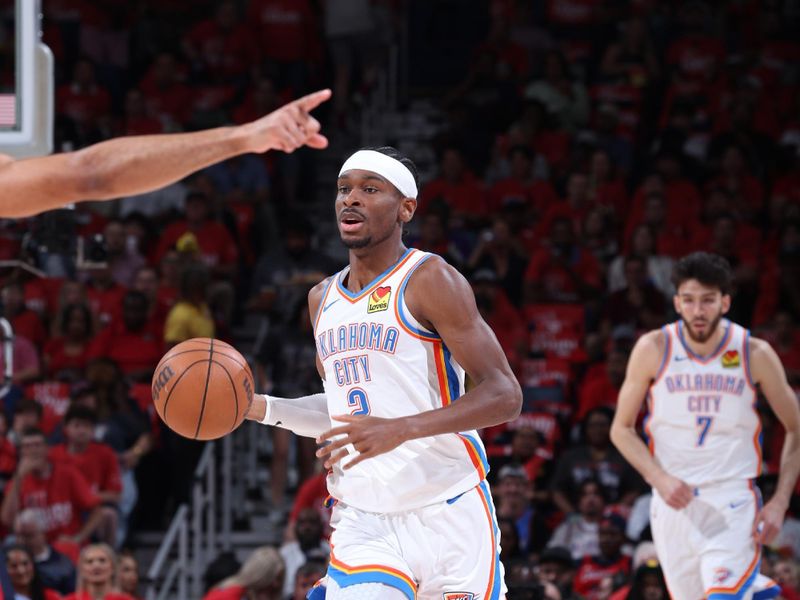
<point x="322" y="301"/>
<point x="407" y="321"/>
<point x="746" y="352"/>
<point x="666" y="356"/>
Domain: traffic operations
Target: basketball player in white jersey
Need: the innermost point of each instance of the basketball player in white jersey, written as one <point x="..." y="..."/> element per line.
<point x="700" y="376"/>
<point x="137" y="164"/>
<point x="395" y="332"/>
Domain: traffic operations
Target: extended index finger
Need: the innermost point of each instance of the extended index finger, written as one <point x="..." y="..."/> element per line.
<point x="313" y="100"/>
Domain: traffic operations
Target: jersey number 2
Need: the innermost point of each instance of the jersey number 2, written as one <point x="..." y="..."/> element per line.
<point x="357" y="402"/>
<point x="703" y="425"/>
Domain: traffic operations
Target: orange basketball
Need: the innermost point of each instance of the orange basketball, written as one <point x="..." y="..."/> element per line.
<point x="202" y="388"/>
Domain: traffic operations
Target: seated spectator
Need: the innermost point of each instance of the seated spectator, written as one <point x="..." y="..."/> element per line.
<point x="735" y="177"/>
<point x="608" y="562"/>
<point x="502" y="253"/>
<point x="26" y="413"/>
<point x="97" y="575"/>
<point x="168" y="98"/>
<point x="308" y="544"/>
<point x="59" y="491"/>
<point x="631" y="59"/>
<point x="518" y="191"/>
<point x="434" y="237"/>
<point x="579" y="532"/>
<point x="602" y="391"/>
<point x="190" y="317"/>
<point x="104" y="294"/>
<point x="606" y="187"/>
<point x="648" y="584"/>
<point x="65" y="356"/>
<point x="306" y="577"/>
<point x="457" y="188"/>
<point x="787" y="574"/>
<point x="25" y="577"/>
<point x="8" y="452"/>
<point x="55" y="569"/>
<point x="129" y="342"/>
<point x="501" y="315"/>
<point x="514" y="493"/>
<point x="640" y="305"/>
<point x="158" y="303"/>
<point x="23" y="321"/>
<point x="312" y="493"/>
<point x="556" y="567"/>
<point x="510" y="549"/>
<point x="574" y="207"/>
<point x="595" y="458"/>
<point x="658" y="266"/>
<point x="96" y="461"/>
<point x="217" y="249"/>
<point x="83" y="99"/>
<point x="128" y="574"/>
<point x="521" y="444"/>
<point x="696" y="54"/>
<point x="598" y="235"/>
<point x="26" y="367"/>
<point x="123" y="260"/>
<point x="261" y="576"/>
<point x="560" y="92"/>
<point x="785" y="339"/>
<point x="670" y="237"/>
<point x="563" y="271"/>
<point x="137" y="121"/>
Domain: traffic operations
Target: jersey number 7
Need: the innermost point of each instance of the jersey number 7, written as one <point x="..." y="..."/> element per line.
<point x="703" y="425"/>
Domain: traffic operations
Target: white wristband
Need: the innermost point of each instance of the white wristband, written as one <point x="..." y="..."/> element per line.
<point x="267" y="410"/>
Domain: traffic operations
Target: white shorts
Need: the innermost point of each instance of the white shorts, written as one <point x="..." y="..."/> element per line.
<point x="707" y="550"/>
<point x="446" y="550"/>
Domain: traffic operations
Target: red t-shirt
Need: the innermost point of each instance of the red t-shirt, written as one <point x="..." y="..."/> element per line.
<point x="596" y="392"/>
<point x="107" y="303"/>
<point x="83" y="106"/>
<point x="466" y="196"/>
<point x="592" y="572"/>
<point x="216" y="244"/>
<point x="132" y="351"/>
<point x="98" y="463"/>
<point x="60" y="360"/>
<point x="696" y="57"/>
<point x="28" y="324"/>
<point x="234" y="592"/>
<point x="109" y="596"/>
<point x="551" y="272"/>
<point x="284" y="28"/>
<point x="61" y="497"/>
<point x="224" y="53"/>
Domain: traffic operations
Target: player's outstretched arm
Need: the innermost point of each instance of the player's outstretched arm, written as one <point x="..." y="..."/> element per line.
<point x="767" y="372"/>
<point x="643" y="366"/>
<point x="137" y="164"/>
<point x="440" y="299"/>
<point x="306" y="416"/>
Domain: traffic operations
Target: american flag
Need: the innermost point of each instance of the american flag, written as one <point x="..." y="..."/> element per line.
<point x="8" y="110"/>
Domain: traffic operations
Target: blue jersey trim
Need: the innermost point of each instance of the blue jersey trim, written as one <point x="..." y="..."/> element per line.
<point x="354" y="295"/>
<point x="344" y="580"/>
<point x="423" y="333"/>
<point x="498" y="572"/>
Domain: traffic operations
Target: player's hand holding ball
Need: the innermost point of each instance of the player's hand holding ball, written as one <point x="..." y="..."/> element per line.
<point x="202" y="389"/>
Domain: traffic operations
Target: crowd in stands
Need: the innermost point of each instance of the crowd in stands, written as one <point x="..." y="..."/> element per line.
<point x="585" y="146"/>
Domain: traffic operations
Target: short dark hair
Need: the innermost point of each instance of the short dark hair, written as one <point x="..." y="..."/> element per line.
<point x="394" y="153"/>
<point x="80" y="412"/>
<point x="709" y="269"/>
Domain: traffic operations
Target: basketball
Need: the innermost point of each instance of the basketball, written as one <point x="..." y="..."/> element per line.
<point x="202" y="388"/>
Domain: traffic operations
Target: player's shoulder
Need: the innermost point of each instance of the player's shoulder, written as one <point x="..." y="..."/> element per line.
<point x="649" y="350"/>
<point x="760" y="349"/>
<point x="435" y="271"/>
<point x="315" y="293"/>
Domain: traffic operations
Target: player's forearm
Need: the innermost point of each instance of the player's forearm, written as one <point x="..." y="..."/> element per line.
<point x="306" y="416"/>
<point x="790" y="467"/>
<point x="494" y="401"/>
<point x="137" y="164"/>
<point x="632" y="448"/>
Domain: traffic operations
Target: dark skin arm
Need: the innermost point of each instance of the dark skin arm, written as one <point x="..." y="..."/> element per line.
<point x="441" y="300"/>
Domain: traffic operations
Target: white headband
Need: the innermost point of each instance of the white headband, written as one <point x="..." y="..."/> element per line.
<point x="391" y="169"/>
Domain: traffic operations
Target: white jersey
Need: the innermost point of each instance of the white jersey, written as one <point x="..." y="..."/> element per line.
<point x="702" y="424"/>
<point x="380" y="361"/>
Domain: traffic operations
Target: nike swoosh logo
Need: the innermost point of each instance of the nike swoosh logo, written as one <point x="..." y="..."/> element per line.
<point x="738" y="504"/>
<point x="680" y="358"/>
<point x="327" y="306"/>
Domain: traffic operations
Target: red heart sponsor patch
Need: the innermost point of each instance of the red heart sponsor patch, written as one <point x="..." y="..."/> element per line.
<point x="381" y="292"/>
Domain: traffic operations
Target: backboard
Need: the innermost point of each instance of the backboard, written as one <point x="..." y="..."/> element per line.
<point x="26" y="81"/>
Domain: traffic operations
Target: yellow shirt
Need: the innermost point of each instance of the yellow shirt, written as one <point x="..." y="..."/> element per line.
<point x="186" y="321"/>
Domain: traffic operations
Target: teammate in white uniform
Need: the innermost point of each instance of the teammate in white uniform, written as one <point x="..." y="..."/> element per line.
<point x="395" y="332"/>
<point x="700" y="376"/>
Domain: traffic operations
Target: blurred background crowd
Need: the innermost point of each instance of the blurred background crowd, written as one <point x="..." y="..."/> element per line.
<point x="573" y="149"/>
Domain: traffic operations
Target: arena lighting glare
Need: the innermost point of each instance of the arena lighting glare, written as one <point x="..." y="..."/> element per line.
<point x="26" y="108"/>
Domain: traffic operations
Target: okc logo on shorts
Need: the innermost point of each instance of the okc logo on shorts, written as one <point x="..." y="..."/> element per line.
<point x="458" y="596"/>
<point x="379" y="299"/>
<point x="721" y="574"/>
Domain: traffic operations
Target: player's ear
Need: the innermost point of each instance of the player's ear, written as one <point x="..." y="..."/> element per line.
<point x="408" y="206"/>
<point x="726" y="303"/>
<point x="676" y="303"/>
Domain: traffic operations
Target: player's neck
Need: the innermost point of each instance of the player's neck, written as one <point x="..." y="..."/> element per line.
<point x="707" y="347"/>
<point x="368" y="263"/>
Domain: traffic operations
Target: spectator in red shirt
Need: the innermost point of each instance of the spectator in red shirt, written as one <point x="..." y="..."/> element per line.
<point x="23" y="321"/>
<point x="217" y="247"/>
<point x="221" y="48"/>
<point x="610" y="562"/>
<point x="696" y="55"/>
<point x="129" y="342"/>
<point x="26" y="367"/>
<point x="631" y="59"/>
<point x="785" y="339"/>
<point x="639" y="305"/>
<point x="504" y="319"/>
<point x="457" y="189"/>
<point x="136" y="120"/>
<point x="123" y="258"/>
<point x="604" y="389"/>
<point x="659" y="267"/>
<point x="97" y="578"/>
<point x="83" y="100"/>
<point x="261" y="576"/>
<point x="501" y="252"/>
<point x="606" y="188"/>
<point x="59" y="491"/>
<point x="65" y="356"/>
<point x="8" y="452"/>
<point x="158" y="303"/>
<point x="128" y="574"/>
<point x="787" y="575"/>
<point x="104" y="294"/>
<point x="96" y="461"/>
<point x="574" y="207"/>
<point x="25" y="576"/>
<point x="167" y="97"/>
<point x="563" y="271"/>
